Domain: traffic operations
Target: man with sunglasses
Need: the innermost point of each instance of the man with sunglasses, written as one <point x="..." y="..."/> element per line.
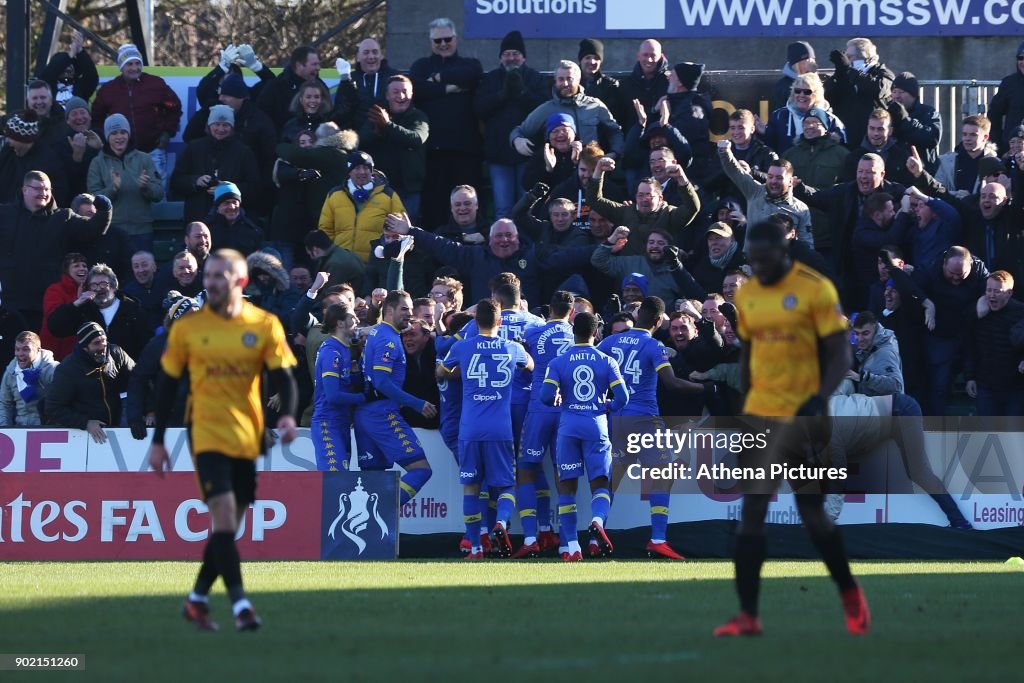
<point x="444" y="84"/>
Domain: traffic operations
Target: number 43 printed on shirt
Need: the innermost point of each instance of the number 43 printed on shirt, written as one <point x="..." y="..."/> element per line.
<point x="478" y="370"/>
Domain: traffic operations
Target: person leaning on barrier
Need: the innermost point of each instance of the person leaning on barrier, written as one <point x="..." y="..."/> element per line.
<point x="25" y="382"/>
<point x="86" y="388"/>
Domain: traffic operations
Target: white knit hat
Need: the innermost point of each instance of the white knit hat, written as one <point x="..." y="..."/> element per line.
<point x="127" y="53"/>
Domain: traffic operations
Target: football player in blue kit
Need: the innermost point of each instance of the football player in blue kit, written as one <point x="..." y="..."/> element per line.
<point x="540" y="428"/>
<point x="644" y="361"/>
<point x="336" y="391"/>
<point x="486" y="453"/>
<point x="383" y="437"/>
<point x="580" y="380"/>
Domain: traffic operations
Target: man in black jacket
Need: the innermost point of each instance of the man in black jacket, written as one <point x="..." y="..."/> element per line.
<point x="444" y="84"/>
<point x="647" y="83"/>
<point x="34" y="236"/>
<point x="121" y="318"/>
<point x="994" y="365"/>
<point x="87" y="385"/>
<point x="276" y="96"/>
<point x="230" y="227"/>
<point x="596" y="84"/>
<point x="505" y="96"/>
<point x="420" y="357"/>
<point x="913" y="122"/>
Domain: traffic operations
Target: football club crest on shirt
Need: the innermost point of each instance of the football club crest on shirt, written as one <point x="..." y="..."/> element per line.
<point x="249" y="339"/>
<point x="522" y="263"/>
<point x="359" y="516"/>
<point x="789" y="303"/>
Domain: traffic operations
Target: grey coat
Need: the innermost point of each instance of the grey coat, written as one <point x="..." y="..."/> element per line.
<point x="13" y="409"/>
<point x="594" y="123"/>
<point x="881" y="371"/>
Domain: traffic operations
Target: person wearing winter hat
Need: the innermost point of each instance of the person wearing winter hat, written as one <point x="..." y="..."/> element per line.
<point x="818" y="160"/>
<point x="558" y="158"/>
<point x="799" y="60"/>
<point x="597" y="84"/>
<point x="25" y="150"/>
<point x="22" y="128"/>
<point x="230" y="226"/>
<point x="690" y="113"/>
<point x="353" y="214"/>
<point x="1006" y="109"/>
<point x="146" y="100"/>
<point x="86" y="385"/>
<point x="634" y="287"/>
<point x="504" y="97"/>
<point x="914" y="122"/>
<point x="131" y="180"/>
<point x="220" y="155"/>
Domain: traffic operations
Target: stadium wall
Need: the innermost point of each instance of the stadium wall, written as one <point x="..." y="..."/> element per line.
<point x="63" y="496"/>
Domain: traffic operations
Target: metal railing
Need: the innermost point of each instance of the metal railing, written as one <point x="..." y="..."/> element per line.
<point x="954" y="100"/>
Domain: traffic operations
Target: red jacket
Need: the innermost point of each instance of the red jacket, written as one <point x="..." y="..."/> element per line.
<point x="150" y="105"/>
<point x="64" y="291"/>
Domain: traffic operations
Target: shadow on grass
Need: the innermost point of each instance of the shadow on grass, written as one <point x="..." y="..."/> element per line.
<point x="928" y="627"/>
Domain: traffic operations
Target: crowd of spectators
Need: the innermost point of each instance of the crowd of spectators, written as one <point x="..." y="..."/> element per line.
<point x="611" y="189"/>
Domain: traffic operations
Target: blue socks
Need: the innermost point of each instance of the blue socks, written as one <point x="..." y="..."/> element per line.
<point x="506" y="504"/>
<point x="600" y="504"/>
<point x="543" y="489"/>
<point x="527" y="494"/>
<point x="567" y="519"/>
<point x="471" y="516"/>
<point x="659" y="516"/>
<point x="412" y="482"/>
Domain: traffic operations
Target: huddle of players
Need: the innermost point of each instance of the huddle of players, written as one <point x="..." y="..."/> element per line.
<point x="563" y="408"/>
<point x="502" y="410"/>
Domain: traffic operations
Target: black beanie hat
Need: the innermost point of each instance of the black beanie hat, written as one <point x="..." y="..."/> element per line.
<point x="689" y="74"/>
<point x="591" y="46"/>
<point x="798" y="51"/>
<point x="513" y="40"/>
<point x="87" y="332"/>
<point x="907" y="81"/>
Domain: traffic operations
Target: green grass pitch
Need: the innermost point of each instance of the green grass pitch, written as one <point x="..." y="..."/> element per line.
<point x="496" y="621"/>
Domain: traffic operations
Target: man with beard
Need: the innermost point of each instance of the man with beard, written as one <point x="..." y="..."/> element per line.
<point x="224" y="348"/>
<point x="653" y="266"/>
<point x="87" y="384"/>
<point x="594" y="123"/>
<point x="120" y="317"/>
<point x="773" y="196"/>
<point x="650" y="210"/>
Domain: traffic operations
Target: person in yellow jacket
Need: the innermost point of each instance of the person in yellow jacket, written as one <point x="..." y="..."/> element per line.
<point x="353" y="214"/>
